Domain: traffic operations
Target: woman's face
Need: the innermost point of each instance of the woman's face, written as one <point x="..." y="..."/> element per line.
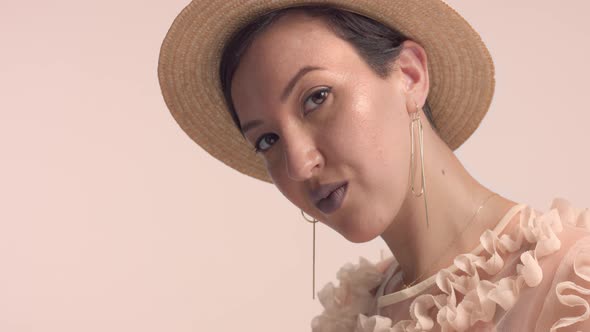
<point x="337" y="121"/>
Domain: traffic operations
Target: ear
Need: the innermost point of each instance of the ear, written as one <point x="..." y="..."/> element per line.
<point x="413" y="68"/>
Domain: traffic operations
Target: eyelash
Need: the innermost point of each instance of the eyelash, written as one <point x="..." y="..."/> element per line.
<point x="328" y="90"/>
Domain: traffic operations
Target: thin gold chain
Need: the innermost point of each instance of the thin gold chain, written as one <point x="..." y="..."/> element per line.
<point x="458" y="236"/>
<point x="313" y="221"/>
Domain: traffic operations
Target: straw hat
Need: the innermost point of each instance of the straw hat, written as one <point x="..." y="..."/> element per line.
<point x="460" y="68"/>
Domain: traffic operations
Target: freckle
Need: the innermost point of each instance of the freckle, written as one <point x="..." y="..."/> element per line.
<point x="443" y="172"/>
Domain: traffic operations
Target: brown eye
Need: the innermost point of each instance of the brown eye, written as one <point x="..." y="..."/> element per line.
<point x="267" y="139"/>
<point x="316" y="99"/>
<point x="319" y="96"/>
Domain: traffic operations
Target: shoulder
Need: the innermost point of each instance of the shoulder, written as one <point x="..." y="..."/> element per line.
<point x="567" y="303"/>
<point x="354" y="294"/>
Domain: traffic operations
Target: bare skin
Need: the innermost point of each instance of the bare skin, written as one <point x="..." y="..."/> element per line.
<point x="358" y="131"/>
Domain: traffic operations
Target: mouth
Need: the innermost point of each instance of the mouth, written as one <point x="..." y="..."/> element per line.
<point x="334" y="200"/>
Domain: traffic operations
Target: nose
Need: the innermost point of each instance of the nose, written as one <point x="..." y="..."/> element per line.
<point x="302" y="158"/>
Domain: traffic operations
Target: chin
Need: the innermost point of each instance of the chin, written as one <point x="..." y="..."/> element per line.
<point x="360" y="233"/>
<point x="361" y="238"/>
<point x="359" y="227"/>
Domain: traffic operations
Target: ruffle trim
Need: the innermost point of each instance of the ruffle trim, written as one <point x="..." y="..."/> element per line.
<point x="346" y="307"/>
<point x="353" y="297"/>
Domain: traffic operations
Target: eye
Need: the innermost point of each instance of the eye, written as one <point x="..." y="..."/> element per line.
<point x="262" y="140"/>
<point x="316" y="99"/>
<point x="312" y="101"/>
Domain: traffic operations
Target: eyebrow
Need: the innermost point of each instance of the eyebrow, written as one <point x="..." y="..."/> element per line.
<point x="286" y="92"/>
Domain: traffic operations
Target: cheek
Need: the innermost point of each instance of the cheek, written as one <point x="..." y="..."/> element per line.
<point x="374" y="140"/>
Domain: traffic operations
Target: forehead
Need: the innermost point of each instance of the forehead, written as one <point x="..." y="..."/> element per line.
<point x="293" y="41"/>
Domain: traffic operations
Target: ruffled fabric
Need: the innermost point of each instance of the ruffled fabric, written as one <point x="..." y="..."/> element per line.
<point x="343" y="304"/>
<point x="465" y="300"/>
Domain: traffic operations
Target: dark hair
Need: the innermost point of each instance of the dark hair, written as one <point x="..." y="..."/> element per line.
<point x="378" y="44"/>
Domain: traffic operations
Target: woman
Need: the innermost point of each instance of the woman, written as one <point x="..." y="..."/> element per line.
<point x="353" y="110"/>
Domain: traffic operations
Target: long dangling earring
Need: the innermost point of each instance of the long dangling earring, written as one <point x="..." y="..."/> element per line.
<point x="415" y="117"/>
<point x="314" y="221"/>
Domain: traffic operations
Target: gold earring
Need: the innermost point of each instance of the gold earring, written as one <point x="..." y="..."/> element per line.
<point x="314" y="221"/>
<point x="415" y="117"/>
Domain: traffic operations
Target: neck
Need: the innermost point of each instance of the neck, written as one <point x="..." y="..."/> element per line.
<point x="453" y="197"/>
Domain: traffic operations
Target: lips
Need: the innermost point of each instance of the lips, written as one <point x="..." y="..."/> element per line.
<point x="324" y="190"/>
<point x="329" y="197"/>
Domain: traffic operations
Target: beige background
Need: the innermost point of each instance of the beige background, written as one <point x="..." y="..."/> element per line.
<point x="112" y="219"/>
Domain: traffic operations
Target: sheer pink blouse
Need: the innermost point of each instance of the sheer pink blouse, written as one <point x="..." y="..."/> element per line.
<point x="532" y="274"/>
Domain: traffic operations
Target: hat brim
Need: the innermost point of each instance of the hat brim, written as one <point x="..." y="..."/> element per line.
<point x="461" y="70"/>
